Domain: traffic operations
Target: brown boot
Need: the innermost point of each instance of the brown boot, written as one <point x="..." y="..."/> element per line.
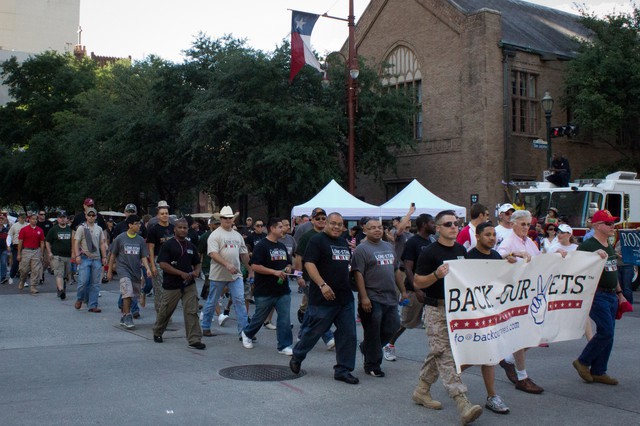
<point x="422" y="396"/>
<point x="468" y="412"/>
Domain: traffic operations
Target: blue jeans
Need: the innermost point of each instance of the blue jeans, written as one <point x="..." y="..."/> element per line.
<point x="14" y="261"/>
<point x="378" y="326"/>
<point x="328" y="335"/>
<point x="625" y="275"/>
<point x="603" y="313"/>
<point x="264" y="304"/>
<point x="89" y="276"/>
<point x="3" y="264"/>
<point x="236" y="288"/>
<point x="319" y="321"/>
<point x="135" y="308"/>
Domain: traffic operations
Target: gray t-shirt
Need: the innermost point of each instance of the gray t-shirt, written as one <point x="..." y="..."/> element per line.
<point x="377" y="263"/>
<point x="129" y="253"/>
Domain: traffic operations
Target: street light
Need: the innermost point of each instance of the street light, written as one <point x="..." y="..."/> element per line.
<point x="547" y="106"/>
<point x="351" y="65"/>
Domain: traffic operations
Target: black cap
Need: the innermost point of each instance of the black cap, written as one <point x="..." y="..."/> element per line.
<point x="317" y="211"/>
<point x="62" y="213"/>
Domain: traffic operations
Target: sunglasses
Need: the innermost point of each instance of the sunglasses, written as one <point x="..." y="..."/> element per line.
<point x="91" y="214"/>
<point x="259" y="225"/>
<point x="320" y="218"/>
<point x="449" y="224"/>
<point x="551" y="229"/>
<point x="508" y="213"/>
<point x="608" y="223"/>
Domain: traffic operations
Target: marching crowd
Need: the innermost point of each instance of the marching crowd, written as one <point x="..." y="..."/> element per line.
<point x="397" y="277"/>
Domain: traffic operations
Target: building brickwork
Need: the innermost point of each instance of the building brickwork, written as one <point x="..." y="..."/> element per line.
<point x="468" y="143"/>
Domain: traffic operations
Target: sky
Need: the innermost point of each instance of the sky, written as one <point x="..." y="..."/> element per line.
<point x="165" y="28"/>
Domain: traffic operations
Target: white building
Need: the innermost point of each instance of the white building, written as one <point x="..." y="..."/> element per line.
<point x="33" y="26"/>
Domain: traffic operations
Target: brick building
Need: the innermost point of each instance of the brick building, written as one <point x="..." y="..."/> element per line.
<point x="478" y="69"/>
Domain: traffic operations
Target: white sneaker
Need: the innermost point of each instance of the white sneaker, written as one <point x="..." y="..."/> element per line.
<point x="269" y="326"/>
<point x="10" y="282"/>
<point x="222" y="318"/>
<point x="331" y="344"/>
<point x="246" y="341"/>
<point x="26" y="285"/>
<point x="286" y="351"/>
<point x="389" y="352"/>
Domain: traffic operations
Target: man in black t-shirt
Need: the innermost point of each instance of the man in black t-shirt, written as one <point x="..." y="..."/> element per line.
<point x="430" y="272"/>
<point x="157" y="235"/>
<point x="271" y="264"/>
<point x="180" y="261"/>
<point x="485" y="241"/>
<point x="330" y="300"/>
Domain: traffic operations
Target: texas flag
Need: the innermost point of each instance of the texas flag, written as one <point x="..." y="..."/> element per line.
<point x="301" y="26"/>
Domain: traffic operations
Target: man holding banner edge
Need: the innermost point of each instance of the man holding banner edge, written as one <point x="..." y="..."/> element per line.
<point x="592" y="363"/>
<point x="430" y="272"/>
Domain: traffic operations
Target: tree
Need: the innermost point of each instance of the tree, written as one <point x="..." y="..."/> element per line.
<point x="34" y="160"/>
<point x="603" y="82"/>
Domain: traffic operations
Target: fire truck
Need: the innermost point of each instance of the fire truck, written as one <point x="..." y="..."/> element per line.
<point x="619" y="193"/>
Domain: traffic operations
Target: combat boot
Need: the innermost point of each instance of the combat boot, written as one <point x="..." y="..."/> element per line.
<point x="422" y="396"/>
<point x="468" y="412"/>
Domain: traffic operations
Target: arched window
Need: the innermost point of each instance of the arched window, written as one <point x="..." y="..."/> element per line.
<point x="401" y="70"/>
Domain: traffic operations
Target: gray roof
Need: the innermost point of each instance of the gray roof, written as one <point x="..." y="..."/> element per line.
<point x="532" y="27"/>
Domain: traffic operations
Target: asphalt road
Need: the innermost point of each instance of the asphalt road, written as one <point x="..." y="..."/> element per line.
<point x="62" y="366"/>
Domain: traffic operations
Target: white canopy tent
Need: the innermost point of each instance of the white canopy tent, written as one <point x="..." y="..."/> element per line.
<point x="334" y="198"/>
<point x="426" y="202"/>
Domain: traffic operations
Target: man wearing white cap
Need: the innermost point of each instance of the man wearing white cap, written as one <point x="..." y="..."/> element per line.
<point x="504" y="228"/>
<point x="226" y="248"/>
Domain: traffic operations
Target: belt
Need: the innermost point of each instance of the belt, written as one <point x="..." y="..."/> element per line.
<point x="606" y="290"/>
<point x="25" y="248"/>
<point x="430" y="301"/>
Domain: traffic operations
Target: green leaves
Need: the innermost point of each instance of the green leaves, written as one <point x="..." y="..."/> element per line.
<point x="603" y="82"/>
<point x="225" y="121"/>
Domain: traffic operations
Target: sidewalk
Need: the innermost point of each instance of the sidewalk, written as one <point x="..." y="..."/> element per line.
<point x="64" y="366"/>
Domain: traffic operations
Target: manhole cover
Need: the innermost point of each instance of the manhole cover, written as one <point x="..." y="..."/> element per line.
<point x="260" y="373"/>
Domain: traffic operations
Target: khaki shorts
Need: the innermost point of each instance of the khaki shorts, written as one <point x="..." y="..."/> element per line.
<point x="129" y="288"/>
<point x="411" y="315"/>
<point x="61" y="266"/>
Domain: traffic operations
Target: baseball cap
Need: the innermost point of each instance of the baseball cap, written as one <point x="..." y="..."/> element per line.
<point x="92" y="210"/>
<point x="317" y="211"/>
<point x="565" y="228"/>
<point x="131" y="208"/>
<point x="505" y="208"/>
<point x="89" y="202"/>
<point x="162" y="203"/>
<point x="603" y="216"/>
<point x="62" y="214"/>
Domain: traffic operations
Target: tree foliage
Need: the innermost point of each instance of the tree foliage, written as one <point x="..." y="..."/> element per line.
<point x="226" y="121"/>
<point x="603" y="81"/>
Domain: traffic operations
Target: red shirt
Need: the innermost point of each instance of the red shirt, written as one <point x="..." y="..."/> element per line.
<point x="31" y="237"/>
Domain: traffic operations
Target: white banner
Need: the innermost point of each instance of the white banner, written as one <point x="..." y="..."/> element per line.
<point x="495" y="308"/>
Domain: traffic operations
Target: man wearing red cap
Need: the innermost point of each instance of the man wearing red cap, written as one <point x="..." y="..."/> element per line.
<point x="592" y="362"/>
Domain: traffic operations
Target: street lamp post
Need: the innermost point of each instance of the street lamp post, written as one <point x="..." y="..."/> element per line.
<point x="353" y="74"/>
<point x="547" y="106"/>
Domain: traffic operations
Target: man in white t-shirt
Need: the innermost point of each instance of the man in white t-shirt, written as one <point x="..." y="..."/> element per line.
<point x="227" y="249"/>
<point x="503" y="230"/>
